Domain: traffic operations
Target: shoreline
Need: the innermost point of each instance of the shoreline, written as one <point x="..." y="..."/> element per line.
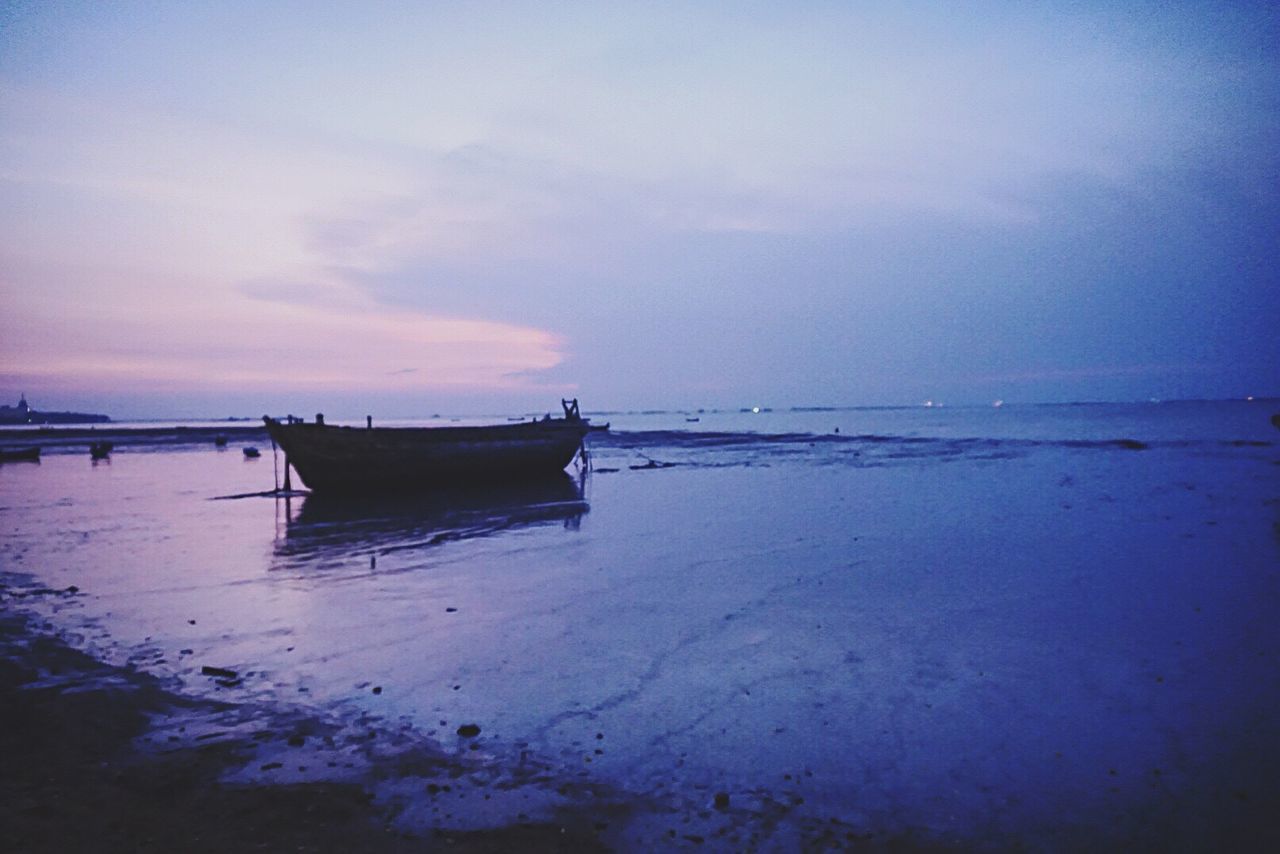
<point x="109" y="758"/>
<point x="106" y="757"/>
<point x="57" y="437"/>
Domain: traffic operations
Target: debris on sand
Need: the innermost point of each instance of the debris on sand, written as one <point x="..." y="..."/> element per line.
<point x="219" y="672"/>
<point x="652" y="464"/>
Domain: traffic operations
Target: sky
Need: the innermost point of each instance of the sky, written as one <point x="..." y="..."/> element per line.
<point x="212" y="209"/>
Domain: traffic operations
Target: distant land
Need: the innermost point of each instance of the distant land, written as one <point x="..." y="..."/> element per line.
<point x="24" y="414"/>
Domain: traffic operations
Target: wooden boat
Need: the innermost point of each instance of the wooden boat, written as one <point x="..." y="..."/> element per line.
<point x="352" y="459"/>
<point x="20" y="455"/>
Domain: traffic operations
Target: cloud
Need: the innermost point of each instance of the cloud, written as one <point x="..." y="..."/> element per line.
<point x="838" y="200"/>
<point x="214" y="340"/>
<point x="299" y="293"/>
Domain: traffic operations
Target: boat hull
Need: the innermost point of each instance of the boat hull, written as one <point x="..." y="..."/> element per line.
<point x="352" y="459"/>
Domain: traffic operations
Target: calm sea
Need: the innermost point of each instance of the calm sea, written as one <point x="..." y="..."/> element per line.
<point x="1049" y="625"/>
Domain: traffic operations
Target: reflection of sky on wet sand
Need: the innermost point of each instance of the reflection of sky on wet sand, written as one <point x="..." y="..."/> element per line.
<point x="959" y="643"/>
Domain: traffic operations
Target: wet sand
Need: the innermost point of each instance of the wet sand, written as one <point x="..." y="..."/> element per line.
<point x="768" y="642"/>
<point x="110" y="758"/>
<point x="102" y="758"/>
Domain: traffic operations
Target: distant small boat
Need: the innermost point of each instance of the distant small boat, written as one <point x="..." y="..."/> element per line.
<point x="100" y="450"/>
<point x="693" y="420"/>
<point x="20" y="455"/>
<point x="252" y="453"/>
<point x="354" y="459"/>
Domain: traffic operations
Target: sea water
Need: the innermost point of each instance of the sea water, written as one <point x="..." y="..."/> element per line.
<point x="1018" y="625"/>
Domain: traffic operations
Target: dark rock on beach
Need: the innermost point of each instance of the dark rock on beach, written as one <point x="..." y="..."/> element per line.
<point x="220" y="672"/>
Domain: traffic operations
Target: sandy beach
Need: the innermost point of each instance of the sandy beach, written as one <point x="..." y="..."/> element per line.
<point x="1047" y="632"/>
<point x="110" y="758"/>
<point x="103" y="758"/>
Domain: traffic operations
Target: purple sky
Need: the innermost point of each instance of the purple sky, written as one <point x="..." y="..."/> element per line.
<point x="231" y="208"/>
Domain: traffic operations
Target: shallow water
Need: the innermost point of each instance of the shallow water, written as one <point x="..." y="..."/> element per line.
<point x="1003" y="626"/>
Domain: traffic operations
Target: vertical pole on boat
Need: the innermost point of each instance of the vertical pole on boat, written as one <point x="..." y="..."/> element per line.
<point x="275" y="464"/>
<point x="288" y="487"/>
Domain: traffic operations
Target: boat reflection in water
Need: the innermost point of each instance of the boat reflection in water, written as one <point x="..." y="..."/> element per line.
<point x="329" y="526"/>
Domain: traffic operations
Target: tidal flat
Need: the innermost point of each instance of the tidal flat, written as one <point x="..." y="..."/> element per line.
<point x="1044" y="629"/>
